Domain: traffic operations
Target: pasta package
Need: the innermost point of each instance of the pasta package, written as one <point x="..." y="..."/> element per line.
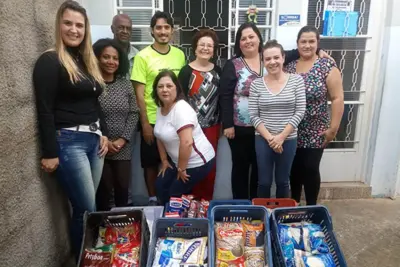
<point x="254" y="256"/>
<point x="253" y="233"/>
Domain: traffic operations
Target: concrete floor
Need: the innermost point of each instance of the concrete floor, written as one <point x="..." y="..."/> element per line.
<point x="368" y="231"/>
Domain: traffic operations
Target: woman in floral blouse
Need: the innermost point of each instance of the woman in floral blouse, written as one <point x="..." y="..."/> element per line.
<point x="322" y="79"/>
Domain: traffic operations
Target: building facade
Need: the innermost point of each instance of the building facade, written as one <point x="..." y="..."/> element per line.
<point x="357" y="51"/>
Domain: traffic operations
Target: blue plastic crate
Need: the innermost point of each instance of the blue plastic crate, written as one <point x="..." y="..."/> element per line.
<point x="214" y="203"/>
<point x="340" y="23"/>
<point x="313" y="214"/>
<point x="172" y="227"/>
<point x="234" y="213"/>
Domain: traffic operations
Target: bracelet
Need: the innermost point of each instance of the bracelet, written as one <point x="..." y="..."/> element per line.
<point x="180" y="170"/>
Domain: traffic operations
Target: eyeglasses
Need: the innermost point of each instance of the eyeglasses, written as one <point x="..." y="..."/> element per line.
<point x="206" y="46"/>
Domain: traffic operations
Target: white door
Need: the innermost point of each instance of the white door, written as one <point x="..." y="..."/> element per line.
<point x="343" y="160"/>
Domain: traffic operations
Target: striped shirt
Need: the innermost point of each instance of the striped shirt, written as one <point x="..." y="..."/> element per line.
<point x="277" y="110"/>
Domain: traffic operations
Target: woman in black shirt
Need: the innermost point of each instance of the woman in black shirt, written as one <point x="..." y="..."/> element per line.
<point x="67" y="84"/>
<point x="121" y="115"/>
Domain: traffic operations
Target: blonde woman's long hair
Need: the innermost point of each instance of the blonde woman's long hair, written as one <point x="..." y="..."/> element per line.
<point x="89" y="59"/>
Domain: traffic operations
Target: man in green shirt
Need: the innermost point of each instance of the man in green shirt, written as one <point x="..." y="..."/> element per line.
<point x="148" y="63"/>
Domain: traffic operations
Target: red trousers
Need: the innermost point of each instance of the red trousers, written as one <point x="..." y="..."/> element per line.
<point x="205" y="189"/>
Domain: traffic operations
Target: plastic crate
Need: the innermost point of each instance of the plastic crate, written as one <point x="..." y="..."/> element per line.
<point x="231" y="213"/>
<point x="152" y="213"/>
<point x="172" y="227"/>
<point x="93" y="220"/>
<point x="273" y="203"/>
<point x="313" y="214"/>
<point x="214" y="203"/>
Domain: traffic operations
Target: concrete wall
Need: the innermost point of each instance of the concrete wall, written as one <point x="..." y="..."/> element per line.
<point x="385" y="165"/>
<point x="33" y="212"/>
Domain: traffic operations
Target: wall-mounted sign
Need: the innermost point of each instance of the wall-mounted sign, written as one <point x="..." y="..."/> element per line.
<point x="339" y="5"/>
<point x="289" y="20"/>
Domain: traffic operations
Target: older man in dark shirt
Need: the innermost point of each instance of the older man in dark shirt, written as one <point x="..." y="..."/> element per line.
<point x="122" y="29"/>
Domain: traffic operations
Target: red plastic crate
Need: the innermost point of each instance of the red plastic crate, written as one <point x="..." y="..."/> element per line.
<point x="272" y="203"/>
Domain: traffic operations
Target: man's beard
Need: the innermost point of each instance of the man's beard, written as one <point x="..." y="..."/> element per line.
<point x="163" y="42"/>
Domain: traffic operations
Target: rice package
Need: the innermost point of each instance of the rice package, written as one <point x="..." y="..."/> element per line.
<point x="304" y="245"/>
<point x="317" y="260"/>
<point x="303" y="236"/>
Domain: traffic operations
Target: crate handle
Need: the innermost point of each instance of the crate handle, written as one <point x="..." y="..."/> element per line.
<point x="114" y="217"/>
<point x="237" y="211"/>
<point x="182" y="224"/>
<point x="296" y="213"/>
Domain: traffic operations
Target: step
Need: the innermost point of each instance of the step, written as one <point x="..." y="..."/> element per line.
<point x="345" y="190"/>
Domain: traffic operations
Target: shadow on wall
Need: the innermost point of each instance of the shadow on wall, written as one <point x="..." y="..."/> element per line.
<point x="222" y="186"/>
<point x="34" y="212"/>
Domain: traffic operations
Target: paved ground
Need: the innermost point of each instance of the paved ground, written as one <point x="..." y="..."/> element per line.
<point x="368" y="231"/>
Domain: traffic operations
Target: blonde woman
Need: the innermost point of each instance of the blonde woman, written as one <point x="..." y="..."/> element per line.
<point x="67" y="83"/>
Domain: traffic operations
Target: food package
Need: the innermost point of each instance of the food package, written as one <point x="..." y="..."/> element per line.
<point x="253" y="233"/>
<point x="229" y="244"/>
<point x="172" y="215"/>
<point x="304" y="245"/>
<point x="192" y="265"/>
<point x="317" y="260"/>
<point x="129" y="251"/>
<point x="254" y="256"/>
<point x="203" y="208"/>
<point x="119" y="261"/>
<point x="130" y="233"/>
<point x="303" y="236"/>
<point x="186" y="199"/>
<point x="175" y="205"/>
<point x="100" y="257"/>
<point x="188" y="251"/>
<point x="171" y="247"/>
<point x="163" y="260"/>
<point x="193" y="209"/>
<point x="195" y="250"/>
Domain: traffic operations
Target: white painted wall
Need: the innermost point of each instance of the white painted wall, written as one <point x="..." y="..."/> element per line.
<point x="385" y="174"/>
<point x="286" y="35"/>
<point x="100" y="13"/>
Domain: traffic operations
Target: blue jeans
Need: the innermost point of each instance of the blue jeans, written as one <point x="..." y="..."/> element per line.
<point x="79" y="174"/>
<point x="169" y="186"/>
<point x="267" y="159"/>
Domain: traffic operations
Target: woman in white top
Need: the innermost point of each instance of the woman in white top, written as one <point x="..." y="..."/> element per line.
<point x="276" y="105"/>
<point x="179" y="135"/>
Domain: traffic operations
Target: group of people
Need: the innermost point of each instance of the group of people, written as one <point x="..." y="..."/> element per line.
<point x="271" y="104"/>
